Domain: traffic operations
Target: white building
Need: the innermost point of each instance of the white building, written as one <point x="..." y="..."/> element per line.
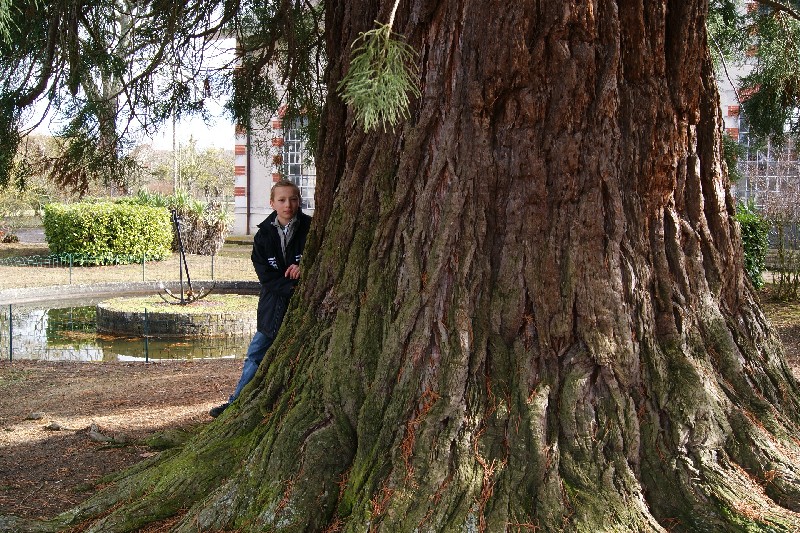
<point x="263" y="157"/>
<point x="765" y="169"/>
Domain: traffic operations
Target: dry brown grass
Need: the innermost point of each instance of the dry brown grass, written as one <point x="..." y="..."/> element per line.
<point x="47" y="470"/>
<point x="232" y="264"/>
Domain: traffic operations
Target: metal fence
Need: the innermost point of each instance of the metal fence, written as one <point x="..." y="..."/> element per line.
<point x="68" y="269"/>
<point x="68" y="333"/>
<point x="67" y="330"/>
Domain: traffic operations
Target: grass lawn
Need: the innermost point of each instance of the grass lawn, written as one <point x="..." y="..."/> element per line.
<point x="231" y="264"/>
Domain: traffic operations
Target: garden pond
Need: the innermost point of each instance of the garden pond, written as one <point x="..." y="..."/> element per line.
<point x="66" y="331"/>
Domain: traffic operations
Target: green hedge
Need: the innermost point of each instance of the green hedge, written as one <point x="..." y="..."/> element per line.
<point x="108" y="233"/>
<point x="203" y="225"/>
<point x="755" y="231"/>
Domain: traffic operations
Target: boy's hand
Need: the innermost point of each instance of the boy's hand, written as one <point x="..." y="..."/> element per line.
<point x="293" y="272"/>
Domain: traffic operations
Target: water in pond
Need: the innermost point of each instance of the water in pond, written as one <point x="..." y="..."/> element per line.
<point x="65" y="331"/>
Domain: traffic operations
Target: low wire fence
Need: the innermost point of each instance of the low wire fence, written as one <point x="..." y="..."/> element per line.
<point x="40" y="332"/>
<point x="68" y="269"/>
<point x="67" y="331"/>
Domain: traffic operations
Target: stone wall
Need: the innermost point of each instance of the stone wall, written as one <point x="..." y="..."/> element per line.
<point x="175" y="324"/>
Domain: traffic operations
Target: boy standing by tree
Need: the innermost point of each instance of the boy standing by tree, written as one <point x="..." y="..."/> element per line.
<point x="277" y="250"/>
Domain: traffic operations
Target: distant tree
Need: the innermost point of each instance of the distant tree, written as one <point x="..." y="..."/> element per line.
<point x="206" y="173"/>
<point x="31" y="168"/>
<point x="766" y="35"/>
<point x="103" y="67"/>
<point x="781" y="208"/>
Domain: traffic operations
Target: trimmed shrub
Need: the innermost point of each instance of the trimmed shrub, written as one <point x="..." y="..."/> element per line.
<point x="105" y="233"/>
<point x="755" y="230"/>
<point x="203" y="225"/>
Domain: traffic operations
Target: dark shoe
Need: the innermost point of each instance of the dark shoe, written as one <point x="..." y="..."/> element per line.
<point x="216" y="411"/>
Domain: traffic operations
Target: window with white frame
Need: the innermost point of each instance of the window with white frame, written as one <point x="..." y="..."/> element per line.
<point x="298" y="165"/>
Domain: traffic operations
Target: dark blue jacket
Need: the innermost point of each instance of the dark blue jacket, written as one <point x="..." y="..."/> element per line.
<point x="271" y="265"/>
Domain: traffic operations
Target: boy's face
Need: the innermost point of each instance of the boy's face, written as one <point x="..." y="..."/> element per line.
<point x="286" y="202"/>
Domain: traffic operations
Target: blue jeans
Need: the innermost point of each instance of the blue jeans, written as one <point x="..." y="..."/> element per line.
<point x="255" y="353"/>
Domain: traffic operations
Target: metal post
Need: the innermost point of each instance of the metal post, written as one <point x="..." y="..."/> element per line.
<point x="146" y="343"/>
<point x="10" y="334"/>
<point x="180" y="272"/>
<point x="187" y="296"/>
<point x="70" y="268"/>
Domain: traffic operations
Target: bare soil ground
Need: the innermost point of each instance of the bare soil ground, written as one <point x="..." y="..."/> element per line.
<point x="785" y="316"/>
<point x="64" y="426"/>
<point x="57" y="420"/>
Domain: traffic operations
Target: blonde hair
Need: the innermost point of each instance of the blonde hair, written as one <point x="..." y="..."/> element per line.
<point x="284" y="183"/>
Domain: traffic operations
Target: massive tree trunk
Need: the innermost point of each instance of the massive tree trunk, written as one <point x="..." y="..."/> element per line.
<point x="523" y="310"/>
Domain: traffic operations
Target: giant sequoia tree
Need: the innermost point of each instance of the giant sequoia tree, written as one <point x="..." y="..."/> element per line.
<point x="522" y="309"/>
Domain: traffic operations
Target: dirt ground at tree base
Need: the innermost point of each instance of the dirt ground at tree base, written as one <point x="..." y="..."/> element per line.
<point x="66" y="425"/>
<point x="46" y="471"/>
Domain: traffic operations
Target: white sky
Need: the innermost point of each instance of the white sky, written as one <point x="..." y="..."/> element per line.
<point x="218" y="134"/>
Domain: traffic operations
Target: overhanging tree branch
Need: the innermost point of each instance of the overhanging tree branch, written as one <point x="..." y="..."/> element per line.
<point x="780" y="6"/>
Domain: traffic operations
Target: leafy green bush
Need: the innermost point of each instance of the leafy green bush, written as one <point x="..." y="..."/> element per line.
<point x="203" y="225"/>
<point x="108" y="233"/>
<point x="732" y="151"/>
<point x="755" y="231"/>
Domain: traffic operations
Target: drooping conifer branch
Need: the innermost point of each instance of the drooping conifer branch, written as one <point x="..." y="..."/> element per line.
<point x="382" y="75"/>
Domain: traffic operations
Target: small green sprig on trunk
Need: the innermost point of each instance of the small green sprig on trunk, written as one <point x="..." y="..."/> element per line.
<point x="381" y="77"/>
